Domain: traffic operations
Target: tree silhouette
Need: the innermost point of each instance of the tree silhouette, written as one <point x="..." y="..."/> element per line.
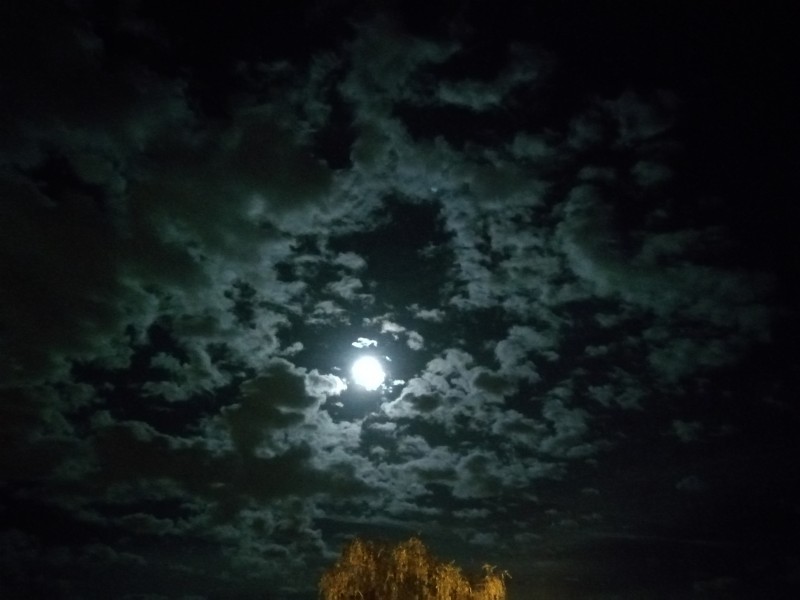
<point x="368" y="570"/>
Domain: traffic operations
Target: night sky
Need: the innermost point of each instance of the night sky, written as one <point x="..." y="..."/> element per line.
<point x="567" y="231"/>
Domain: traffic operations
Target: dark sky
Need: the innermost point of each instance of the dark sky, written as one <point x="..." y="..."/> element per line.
<point x="568" y="230"/>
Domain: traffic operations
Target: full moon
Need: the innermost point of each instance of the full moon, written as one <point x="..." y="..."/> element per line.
<point x="368" y="373"/>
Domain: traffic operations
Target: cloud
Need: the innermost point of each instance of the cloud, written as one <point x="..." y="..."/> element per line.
<point x="649" y="173"/>
<point x="351" y="261"/>
<point x="623" y="390"/>
<point x="569" y="428"/>
<point x="274" y="400"/>
<point x="364" y="343"/>
<point x="111" y="269"/>
<point x="513" y="353"/>
<point x="485" y="95"/>
<point x="181" y="291"/>
<point x="385" y="58"/>
<point x="348" y="288"/>
<point x="687" y="431"/>
<point x="428" y="314"/>
<point x="638" y="119"/>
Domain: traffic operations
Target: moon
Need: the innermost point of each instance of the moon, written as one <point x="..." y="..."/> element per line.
<point x="368" y="373"/>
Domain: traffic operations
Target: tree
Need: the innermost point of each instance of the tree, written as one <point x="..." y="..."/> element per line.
<point x="368" y="570"/>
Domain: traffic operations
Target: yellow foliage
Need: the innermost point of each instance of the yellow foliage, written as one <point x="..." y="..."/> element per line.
<point x="369" y="570"/>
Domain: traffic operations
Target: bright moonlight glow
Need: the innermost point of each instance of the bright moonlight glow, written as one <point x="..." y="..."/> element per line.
<point x="368" y="373"/>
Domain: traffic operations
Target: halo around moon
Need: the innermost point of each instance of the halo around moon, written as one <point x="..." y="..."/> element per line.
<point x="368" y="373"/>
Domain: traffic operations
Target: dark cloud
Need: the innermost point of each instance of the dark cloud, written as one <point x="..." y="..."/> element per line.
<point x="274" y="400"/>
<point x="584" y="311"/>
